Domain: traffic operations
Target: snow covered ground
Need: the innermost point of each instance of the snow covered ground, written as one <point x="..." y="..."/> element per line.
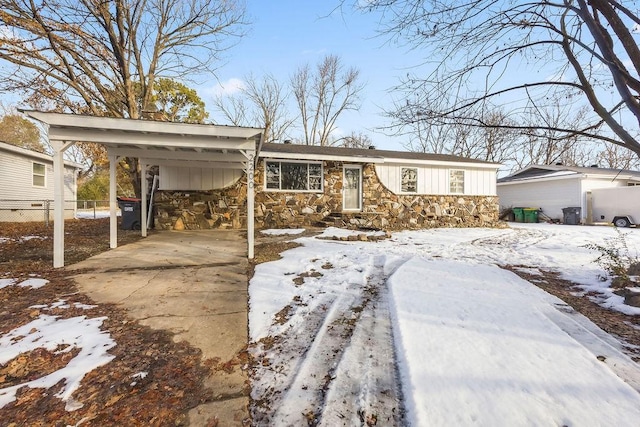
<point x="94" y="213"/>
<point x="60" y="335"/>
<point x="425" y="328"/>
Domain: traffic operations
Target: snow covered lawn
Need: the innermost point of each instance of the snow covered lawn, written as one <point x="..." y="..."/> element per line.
<point x="425" y="328"/>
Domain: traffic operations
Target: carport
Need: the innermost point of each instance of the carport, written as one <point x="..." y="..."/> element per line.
<point x="153" y="143"/>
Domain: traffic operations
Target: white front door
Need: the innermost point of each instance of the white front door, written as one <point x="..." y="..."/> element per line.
<point x="352" y="188"/>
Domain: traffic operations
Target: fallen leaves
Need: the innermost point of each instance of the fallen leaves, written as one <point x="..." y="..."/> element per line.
<point x="114" y="394"/>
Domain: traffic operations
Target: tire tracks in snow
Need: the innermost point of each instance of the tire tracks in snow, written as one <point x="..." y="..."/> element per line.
<point x="372" y="374"/>
<point x="332" y="361"/>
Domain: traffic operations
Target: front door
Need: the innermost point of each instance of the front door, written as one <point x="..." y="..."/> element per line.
<point x="352" y="188"/>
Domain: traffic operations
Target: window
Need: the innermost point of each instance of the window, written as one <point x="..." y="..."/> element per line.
<point x="294" y="176"/>
<point x="456" y="181"/>
<point x="409" y="182"/>
<point x="39" y="175"/>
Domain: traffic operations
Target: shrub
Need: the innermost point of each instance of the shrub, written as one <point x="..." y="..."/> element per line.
<point x="616" y="260"/>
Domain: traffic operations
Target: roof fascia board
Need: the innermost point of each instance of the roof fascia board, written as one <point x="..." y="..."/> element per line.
<point x="61" y="120"/>
<point x="549" y="178"/>
<point x="377" y="160"/>
<point x="126" y="138"/>
<point x="311" y="157"/>
<point x="612" y="177"/>
<point x="452" y="163"/>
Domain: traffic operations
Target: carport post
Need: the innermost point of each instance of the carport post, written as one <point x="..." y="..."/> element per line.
<point x="143" y="197"/>
<point x="58" y="201"/>
<point x="250" y="155"/>
<point x="113" y="219"/>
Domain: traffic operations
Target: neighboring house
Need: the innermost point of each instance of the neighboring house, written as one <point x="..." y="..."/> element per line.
<point x="552" y="188"/>
<point x="298" y="185"/>
<point x="26" y="185"/>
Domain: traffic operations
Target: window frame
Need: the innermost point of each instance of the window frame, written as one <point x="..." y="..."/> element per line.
<point x="35" y="175"/>
<point x="455" y="181"/>
<point x="298" y="162"/>
<point x="415" y="180"/>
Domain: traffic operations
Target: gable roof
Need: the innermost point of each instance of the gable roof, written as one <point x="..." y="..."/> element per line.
<point x="316" y="152"/>
<point x="535" y="172"/>
<point x="4" y="146"/>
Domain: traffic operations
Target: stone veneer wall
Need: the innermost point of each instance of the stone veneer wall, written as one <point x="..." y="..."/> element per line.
<point x="196" y="210"/>
<point x="382" y="209"/>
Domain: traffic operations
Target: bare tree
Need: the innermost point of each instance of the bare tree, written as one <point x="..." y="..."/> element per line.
<point x="354" y="140"/>
<point x="103" y="57"/>
<point x="261" y="103"/>
<point x="616" y="157"/>
<point x="323" y="95"/>
<point x="523" y="54"/>
<point x="544" y="142"/>
<point x="490" y="136"/>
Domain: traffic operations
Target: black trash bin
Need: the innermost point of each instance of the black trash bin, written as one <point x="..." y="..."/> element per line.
<point x="571" y="216"/>
<point x="131" y="213"/>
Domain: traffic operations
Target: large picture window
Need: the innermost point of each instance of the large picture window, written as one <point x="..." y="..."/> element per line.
<point x="39" y="175"/>
<point x="294" y="176"/>
<point x="456" y="181"/>
<point x="409" y="182"/>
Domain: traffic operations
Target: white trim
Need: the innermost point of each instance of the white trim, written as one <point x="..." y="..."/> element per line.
<point x="316" y="157"/>
<point x="360" y="187"/>
<point x="416" y="180"/>
<point x="454" y="164"/>
<point x="44" y="175"/>
<point x="82" y="122"/>
<point x="113" y="202"/>
<point x="464" y="181"/>
<point x="537" y="179"/>
<point x="377" y="159"/>
<point x="284" y="190"/>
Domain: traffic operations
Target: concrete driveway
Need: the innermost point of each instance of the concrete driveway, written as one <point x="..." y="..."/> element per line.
<point x="192" y="283"/>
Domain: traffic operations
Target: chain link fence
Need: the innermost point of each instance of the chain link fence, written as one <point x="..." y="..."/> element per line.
<point x="15" y="210"/>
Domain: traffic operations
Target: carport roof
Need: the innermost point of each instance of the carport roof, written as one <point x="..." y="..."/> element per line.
<point x="150" y="139"/>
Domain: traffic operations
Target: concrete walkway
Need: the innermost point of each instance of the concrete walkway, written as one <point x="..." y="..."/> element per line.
<point x="192" y="283"/>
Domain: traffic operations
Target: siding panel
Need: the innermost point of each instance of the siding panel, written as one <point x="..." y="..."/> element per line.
<point x="550" y="196"/>
<point x="197" y="179"/>
<point x="435" y="180"/>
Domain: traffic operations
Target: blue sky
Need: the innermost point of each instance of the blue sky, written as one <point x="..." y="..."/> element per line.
<point x="286" y="34"/>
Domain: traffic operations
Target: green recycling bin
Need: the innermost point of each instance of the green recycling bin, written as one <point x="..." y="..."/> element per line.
<point x="518" y="213"/>
<point x="530" y="214"/>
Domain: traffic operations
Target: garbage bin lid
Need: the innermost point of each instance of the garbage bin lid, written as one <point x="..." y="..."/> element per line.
<point x="128" y="199"/>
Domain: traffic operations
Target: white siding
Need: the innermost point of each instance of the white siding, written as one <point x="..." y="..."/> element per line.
<point x="550" y="196"/>
<point x="435" y="180"/>
<point x="16" y="179"/>
<point x="194" y="179"/>
<point x="17" y="189"/>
